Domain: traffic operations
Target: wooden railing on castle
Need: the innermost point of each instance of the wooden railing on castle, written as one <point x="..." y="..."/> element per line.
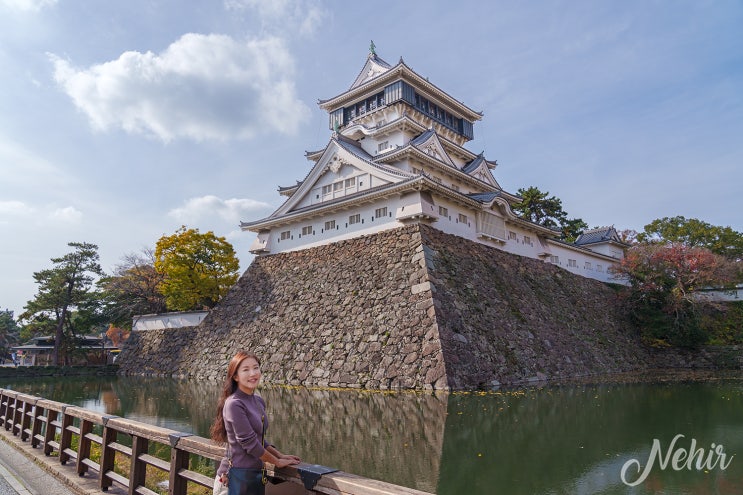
<point x="73" y="433"/>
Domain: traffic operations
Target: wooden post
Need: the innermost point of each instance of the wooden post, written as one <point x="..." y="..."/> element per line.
<point x="17" y="411"/>
<point x="178" y="460"/>
<point x="36" y="425"/>
<point x="107" y="454"/>
<point x="28" y="407"/>
<point x="83" y="446"/>
<point x="65" y="441"/>
<point x="138" y="468"/>
<point x="10" y="412"/>
<point x="3" y="406"/>
<point x="51" y="417"/>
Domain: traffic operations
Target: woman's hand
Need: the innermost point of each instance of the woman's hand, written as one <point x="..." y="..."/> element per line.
<point x="286" y="460"/>
<point x="223" y="479"/>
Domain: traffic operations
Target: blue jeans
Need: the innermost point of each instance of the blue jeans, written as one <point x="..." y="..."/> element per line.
<point x="245" y="481"/>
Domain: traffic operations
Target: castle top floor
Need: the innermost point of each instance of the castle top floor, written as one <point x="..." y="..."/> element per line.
<point x="381" y="86"/>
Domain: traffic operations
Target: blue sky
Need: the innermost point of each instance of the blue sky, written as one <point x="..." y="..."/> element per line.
<point x="121" y="121"/>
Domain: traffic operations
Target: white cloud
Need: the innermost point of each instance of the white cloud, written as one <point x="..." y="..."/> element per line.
<point x="202" y="87"/>
<point x="229" y="210"/>
<point x="13" y="209"/>
<point x="302" y="17"/>
<point x="27" y="5"/>
<point x="68" y="214"/>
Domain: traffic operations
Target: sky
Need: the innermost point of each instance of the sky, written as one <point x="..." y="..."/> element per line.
<point x="122" y="121"/>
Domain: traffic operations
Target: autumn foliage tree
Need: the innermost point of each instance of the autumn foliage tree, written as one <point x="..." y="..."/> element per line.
<point x="116" y="334"/>
<point x="662" y="278"/>
<point x="198" y="269"/>
<point x="133" y="288"/>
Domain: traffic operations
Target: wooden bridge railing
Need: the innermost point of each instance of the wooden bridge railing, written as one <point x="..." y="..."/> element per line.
<point x="70" y="432"/>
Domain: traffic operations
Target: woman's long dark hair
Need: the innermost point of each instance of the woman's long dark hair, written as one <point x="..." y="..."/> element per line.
<point x="218" y="431"/>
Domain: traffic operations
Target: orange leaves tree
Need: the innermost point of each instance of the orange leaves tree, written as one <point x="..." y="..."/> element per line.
<point x="662" y="279"/>
<point x="198" y="269"/>
<point x="133" y="288"/>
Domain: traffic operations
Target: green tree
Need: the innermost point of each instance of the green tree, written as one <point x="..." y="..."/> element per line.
<point x="541" y="208"/>
<point x="694" y="233"/>
<point x="133" y="288"/>
<point x="65" y="289"/>
<point x="9" y="332"/>
<point x="198" y="269"/>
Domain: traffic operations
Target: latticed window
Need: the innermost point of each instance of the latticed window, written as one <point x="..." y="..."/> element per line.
<point x="492" y="226"/>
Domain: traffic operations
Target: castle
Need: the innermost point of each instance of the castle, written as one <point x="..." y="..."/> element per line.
<point x="396" y="157"/>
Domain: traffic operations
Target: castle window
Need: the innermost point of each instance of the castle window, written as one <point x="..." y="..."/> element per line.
<point x="330" y="225"/>
<point x="286" y="235"/>
<point x="383" y="145"/>
<point x="527" y="240"/>
<point x="380" y="212"/>
<point x="463" y="218"/>
<point x="599" y="268"/>
<point x="350" y="182"/>
<point x="443" y="211"/>
<point x="354" y="219"/>
<point x="307" y="230"/>
<point x="511" y="236"/>
<point x="573" y="263"/>
<point x="337" y="186"/>
<point x="587" y="265"/>
<point x="327" y="189"/>
<point x="555" y="260"/>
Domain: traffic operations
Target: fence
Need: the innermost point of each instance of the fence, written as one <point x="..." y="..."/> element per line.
<point x="71" y="432"/>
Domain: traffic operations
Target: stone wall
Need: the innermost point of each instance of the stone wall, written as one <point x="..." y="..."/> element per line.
<point x="406" y="308"/>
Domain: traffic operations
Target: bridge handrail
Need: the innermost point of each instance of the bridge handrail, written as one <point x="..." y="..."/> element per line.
<point x="52" y="426"/>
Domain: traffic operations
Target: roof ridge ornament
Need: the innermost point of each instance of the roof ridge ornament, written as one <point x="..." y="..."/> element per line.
<point x="372" y="49"/>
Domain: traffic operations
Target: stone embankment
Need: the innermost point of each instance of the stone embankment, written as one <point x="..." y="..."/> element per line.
<point x="406" y="308"/>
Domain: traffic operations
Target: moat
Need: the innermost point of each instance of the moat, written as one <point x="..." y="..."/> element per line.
<point x="572" y="438"/>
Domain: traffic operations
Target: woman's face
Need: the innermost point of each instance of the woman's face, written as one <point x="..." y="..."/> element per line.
<point x="248" y="375"/>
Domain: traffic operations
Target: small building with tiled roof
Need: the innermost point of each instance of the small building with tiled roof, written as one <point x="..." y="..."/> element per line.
<point x="396" y="156"/>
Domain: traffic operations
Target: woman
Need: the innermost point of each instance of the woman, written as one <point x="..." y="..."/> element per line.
<point x="241" y="422"/>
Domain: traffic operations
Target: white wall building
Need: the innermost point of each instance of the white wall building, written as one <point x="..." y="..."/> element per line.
<point x="397" y="156"/>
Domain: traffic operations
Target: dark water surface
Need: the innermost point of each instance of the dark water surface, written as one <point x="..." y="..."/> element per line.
<point x="571" y="439"/>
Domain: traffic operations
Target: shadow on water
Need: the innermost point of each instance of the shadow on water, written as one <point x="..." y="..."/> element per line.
<point x="556" y="440"/>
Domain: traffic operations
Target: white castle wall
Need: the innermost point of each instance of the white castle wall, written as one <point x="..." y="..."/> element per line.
<point x="517" y="239"/>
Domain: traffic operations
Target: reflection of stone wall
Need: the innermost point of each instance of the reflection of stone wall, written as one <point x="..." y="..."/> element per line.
<point x="410" y="308"/>
<point x="394" y="437"/>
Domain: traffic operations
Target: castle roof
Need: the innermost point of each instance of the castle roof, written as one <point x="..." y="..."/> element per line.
<point x="362" y="86"/>
<point x="598" y="235"/>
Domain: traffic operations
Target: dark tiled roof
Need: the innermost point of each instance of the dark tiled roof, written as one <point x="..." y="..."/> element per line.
<point x="423" y="137"/>
<point x="473" y="164"/>
<point x="485" y="197"/>
<point x="603" y="234"/>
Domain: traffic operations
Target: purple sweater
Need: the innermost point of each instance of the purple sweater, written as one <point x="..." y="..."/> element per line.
<point x="242" y="419"/>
